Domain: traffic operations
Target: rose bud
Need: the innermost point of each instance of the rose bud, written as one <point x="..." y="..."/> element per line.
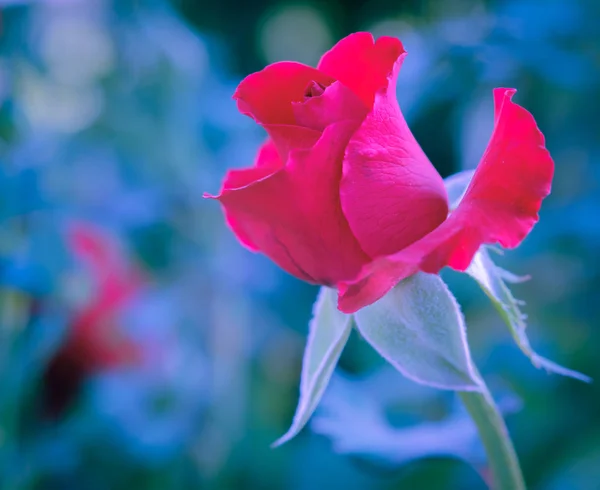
<point x="342" y="195"/>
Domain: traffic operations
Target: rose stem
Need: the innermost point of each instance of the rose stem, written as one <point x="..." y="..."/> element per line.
<point x="502" y="458"/>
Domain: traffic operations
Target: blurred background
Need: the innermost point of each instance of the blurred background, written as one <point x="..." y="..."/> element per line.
<point x="142" y="347"/>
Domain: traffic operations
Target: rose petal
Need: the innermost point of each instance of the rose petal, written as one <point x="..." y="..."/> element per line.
<point x="500" y="206"/>
<point x="266" y="164"/>
<point x="362" y="64"/>
<point x="287" y="137"/>
<point x="267" y="95"/>
<point x="336" y="103"/>
<point x="391" y="194"/>
<point x="268" y="156"/>
<point x="294" y="215"/>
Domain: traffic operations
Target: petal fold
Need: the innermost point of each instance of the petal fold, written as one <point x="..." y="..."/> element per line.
<point x="336" y="103"/>
<point x="287" y="137"/>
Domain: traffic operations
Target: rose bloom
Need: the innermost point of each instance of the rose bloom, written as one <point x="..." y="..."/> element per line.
<point x="342" y="195"/>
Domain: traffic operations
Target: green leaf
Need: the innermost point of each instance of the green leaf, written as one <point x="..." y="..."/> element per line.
<point x="328" y="333"/>
<point x="418" y="327"/>
<point x="492" y="280"/>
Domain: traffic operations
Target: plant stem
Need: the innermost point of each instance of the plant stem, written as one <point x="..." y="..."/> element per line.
<point x="502" y="458"/>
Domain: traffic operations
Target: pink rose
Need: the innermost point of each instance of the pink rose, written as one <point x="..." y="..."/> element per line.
<point x="341" y="194"/>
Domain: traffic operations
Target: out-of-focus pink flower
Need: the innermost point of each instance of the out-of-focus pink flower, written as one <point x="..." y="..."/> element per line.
<point x="94" y="341"/>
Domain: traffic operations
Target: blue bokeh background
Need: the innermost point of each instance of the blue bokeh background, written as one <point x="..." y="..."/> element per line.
<point x="119" y="114"/>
